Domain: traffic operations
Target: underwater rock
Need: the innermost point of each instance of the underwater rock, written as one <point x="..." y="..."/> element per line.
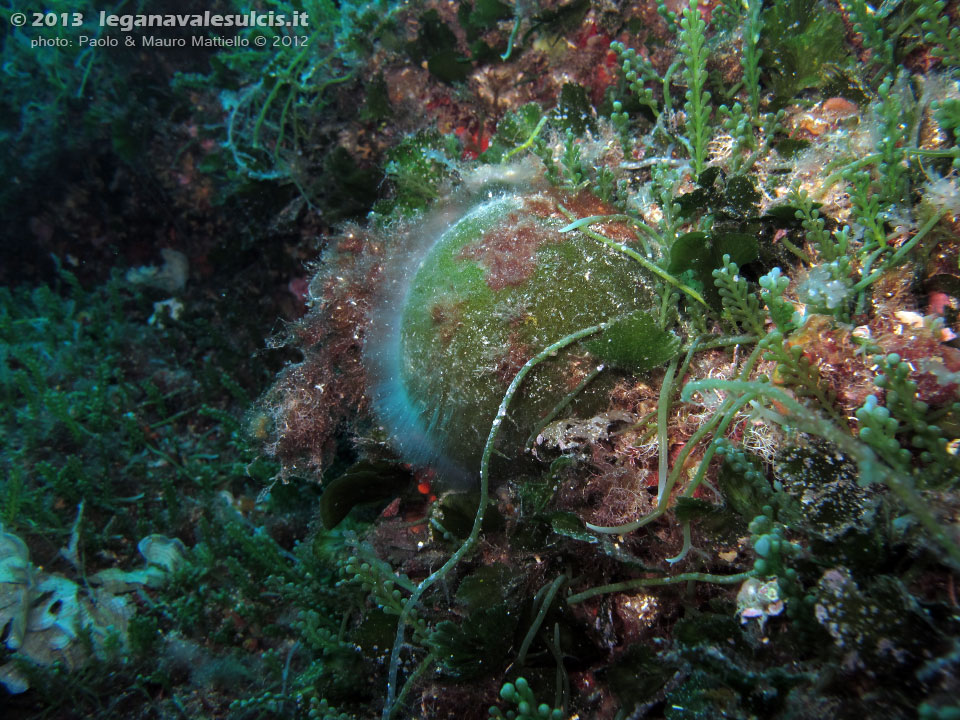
<point x="420" y="324"/>
<point x="837" y="513"/>
<point x="878" y="627"/>
<point x="824" y="483"/>
<point x="494" y="282"/>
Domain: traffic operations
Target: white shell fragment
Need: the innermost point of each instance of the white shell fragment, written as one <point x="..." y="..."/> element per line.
<point x="46" y="612"/>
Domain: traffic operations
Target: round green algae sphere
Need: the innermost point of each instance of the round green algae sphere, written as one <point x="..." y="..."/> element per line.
<point x="494" y="285"/>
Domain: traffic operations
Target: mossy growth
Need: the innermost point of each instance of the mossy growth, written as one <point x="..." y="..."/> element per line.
<point x="499" y="283"/>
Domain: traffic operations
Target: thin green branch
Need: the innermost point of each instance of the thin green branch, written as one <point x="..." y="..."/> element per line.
<point x="564" y="402"/>
<point x="654" y="582"/>
<point x="687" y="544"/>
<point x="630" y="252"/>
<point x="390" y="704"/>
<point x="663" y="411"/>
<point x="872" y="469"/>
<point x="552" y="590"/>
<point x="510" y="41"/>
<point x="528" y="143"/>
<point x="901" y="252"/>
<point x="724" y="415"/>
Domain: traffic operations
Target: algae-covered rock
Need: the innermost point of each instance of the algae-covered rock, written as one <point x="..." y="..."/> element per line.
<point x="876" y="623"/>
<point x="824" y="483"/>
<point x="496" y="284"/>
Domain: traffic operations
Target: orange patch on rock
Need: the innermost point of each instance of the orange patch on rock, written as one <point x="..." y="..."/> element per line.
<point x="840" y="107"/>
<point x="825" y="117"/>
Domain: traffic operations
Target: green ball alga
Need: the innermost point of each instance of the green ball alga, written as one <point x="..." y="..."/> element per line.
<point x="499" y="283"/>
